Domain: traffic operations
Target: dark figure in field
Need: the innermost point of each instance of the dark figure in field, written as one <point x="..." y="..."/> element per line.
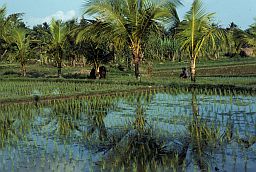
<point x="92" y="74"/>
<point x="102" y="72"/>
<point x="184" y="73"/>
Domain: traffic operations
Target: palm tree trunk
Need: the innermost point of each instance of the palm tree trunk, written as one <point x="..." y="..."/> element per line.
<point x="59" y="68"/>
<point x="59" y="65"/>
<point x="22" y="63"/>
<point x="137" y="70"/>
<point x="174" y="56"/>
<point x="136" y="61"/>
<point x="23" y="68"/>
<point x="193" y="70"/>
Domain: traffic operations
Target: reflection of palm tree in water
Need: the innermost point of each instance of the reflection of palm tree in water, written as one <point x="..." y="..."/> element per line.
<point x="136" y="146"/>
<point x="204" y="139"/>
<point x="69" y="118"/>
<point x="143" y="149"/>
<point x="140" y="121"/>
<point x="97" y="120"/>
<point x="196" y="135"/>
<point x="6" y="128"/>
<point x="207" y="140"/>
<point x="97" y="112"/>
<point x="14" y="126"/>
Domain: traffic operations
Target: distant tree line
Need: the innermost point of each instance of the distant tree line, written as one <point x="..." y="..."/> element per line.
<point x="127" y="32"/>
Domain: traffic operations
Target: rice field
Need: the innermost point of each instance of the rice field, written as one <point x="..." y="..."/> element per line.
<point x="155" y="130"/>
<point x="28" y="89"/>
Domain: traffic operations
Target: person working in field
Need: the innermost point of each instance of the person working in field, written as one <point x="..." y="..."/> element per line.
<point x="184" y="73"/>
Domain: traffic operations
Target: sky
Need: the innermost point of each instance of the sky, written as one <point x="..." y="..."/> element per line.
<point x="241" y="12"/>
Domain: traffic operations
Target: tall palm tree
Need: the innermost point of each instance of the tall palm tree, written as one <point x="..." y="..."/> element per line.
<point x="127" y="22"/>
<point x="20" y="38"/>
<point x="59" y="32"/>
<point x="196" y="31"/>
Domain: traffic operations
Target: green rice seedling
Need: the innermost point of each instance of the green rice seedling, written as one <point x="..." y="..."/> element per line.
<point x="92" y="114"/>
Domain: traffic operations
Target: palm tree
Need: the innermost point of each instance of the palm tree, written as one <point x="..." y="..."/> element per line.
<point x="236" y="39"/>
<point x="42" y="36"/>
<point x="21" y="40"/>
<point x="127" y="22"/>
<point x="59" y="32"/>
<point x="196" y="31"/>
<point x="7" y="23"/>
<point x="250" y="38"/>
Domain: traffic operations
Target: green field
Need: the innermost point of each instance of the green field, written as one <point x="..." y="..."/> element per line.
<point x="128" y="86"/>
<point x="42" y="81"/>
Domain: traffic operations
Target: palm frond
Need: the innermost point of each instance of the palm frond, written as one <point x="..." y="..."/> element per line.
<point x="196" y="31"/>
<point x="128" y="20"/>
<point x="59" y="32"/>
<point x="19" y="37"/>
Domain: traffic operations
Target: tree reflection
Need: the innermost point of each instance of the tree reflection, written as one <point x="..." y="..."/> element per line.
<point x="14" y="126"/>
<point x="197" y="136"/>
<point x="140" y="121"/>
<point x="85" y="117"/>
<point x="204" y="139"/>
<point x="139" y="148"/>
<point x="97" y="111"/>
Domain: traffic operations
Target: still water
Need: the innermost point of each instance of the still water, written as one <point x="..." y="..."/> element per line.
<point x="160" y="131"/>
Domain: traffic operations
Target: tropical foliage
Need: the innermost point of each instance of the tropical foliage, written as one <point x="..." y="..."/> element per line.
<point x="20" y="38"/>
<point x="127" y="22"/>
<point x="7" y="24"/>
<point x="250" y="38"/>
<point x="196" y="31"/>
<point x="123" y="33"/>
<point x="59" y="33"/>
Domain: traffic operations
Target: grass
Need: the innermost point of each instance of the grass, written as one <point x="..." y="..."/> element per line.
<point x="77" y="112"/>
<point x="27" y="89"/>
<point x="41" y="79"/>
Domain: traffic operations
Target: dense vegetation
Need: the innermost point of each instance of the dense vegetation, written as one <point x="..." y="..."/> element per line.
<point x="56" y="116"/>
<point x="123" y="33"/>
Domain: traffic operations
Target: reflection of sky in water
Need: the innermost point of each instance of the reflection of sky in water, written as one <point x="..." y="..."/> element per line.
<point x="216" y="109"/>
<point x="170" y="113"/>
<point x="166" y="105"/>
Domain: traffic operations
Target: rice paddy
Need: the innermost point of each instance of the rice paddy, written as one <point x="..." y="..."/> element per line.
<point x="29" y="89"/>
<point x="155" y="130"/>
<point x="126" y="86"/>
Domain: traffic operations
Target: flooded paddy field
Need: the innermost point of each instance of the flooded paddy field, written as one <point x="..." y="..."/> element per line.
<point x="156" y="130"/>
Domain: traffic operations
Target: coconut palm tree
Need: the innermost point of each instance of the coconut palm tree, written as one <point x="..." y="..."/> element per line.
<point x="20" y="38"/>
<point x="7" y="23"/>
<point x="59" y="32"/>
<point x="236" y="39"/>
<point x="42" y="36"/>
<point x="196" y="31"/>
<point x="250" y="38"/>
<point x="127" y="22"/>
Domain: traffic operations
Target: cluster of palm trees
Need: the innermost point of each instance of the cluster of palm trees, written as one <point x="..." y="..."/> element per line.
<point x="134" y="29"/>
